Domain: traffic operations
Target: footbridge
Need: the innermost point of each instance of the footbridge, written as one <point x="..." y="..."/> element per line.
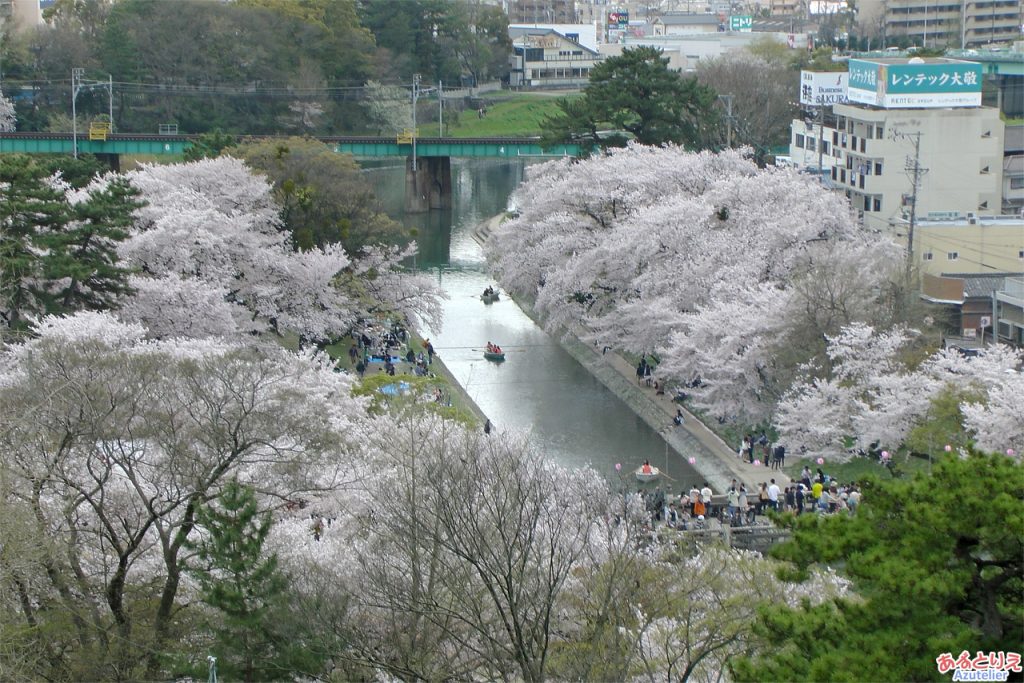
<point x="428" y="160"/>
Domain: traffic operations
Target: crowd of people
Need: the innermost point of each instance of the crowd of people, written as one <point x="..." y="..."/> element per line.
<point x="815" y="493"/>
<point x="493" y="348"/>
<point x="384" y="345"/>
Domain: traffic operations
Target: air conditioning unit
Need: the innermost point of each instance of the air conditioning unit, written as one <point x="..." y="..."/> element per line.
<point x="972" y="218"/>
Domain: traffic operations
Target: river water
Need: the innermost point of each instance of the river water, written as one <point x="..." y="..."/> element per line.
<point x="540" y="388"/>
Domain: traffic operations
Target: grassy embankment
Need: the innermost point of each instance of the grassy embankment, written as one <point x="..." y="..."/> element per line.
<point x="508" y="115"/>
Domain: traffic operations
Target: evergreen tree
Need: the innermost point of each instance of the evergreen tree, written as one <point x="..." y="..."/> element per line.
<point x="635" y="92"/>
<point x="82" y="257"/>
<point x="937" y="564"/>
<point x="242" y="584"/>
<point x="29" y="207"/>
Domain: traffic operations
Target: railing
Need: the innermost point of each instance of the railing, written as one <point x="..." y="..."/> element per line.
<point x="99" y="130"/>
<point x="406" y="137"/>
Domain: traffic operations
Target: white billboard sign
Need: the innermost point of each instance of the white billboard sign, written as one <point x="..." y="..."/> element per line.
<point x="823" y="88"/>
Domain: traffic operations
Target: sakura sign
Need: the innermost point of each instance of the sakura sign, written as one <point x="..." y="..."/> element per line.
<point x="822" y="88"/>
<point x="920" y="84"/>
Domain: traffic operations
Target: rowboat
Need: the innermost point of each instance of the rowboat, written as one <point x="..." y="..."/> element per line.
<point x="496" y="357"/>
<point x="489" y="298"/>
<point x="650" y="474"/>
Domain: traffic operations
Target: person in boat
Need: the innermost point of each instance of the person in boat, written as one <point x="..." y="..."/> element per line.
<point x="490" y="347"/>
<point x="646" y="468"/>
<point x="497" y="349"/>
<point x="489" y="291"/>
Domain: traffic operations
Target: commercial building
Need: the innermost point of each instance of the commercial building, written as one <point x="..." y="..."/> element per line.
<point x="544" y="58"/>
<point x="972" y="245"/>
<point x="958" y="154"/>
<point x="910" y="119"/>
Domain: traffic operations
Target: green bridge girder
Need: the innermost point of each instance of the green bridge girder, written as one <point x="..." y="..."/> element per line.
<point x="500" y="148"/>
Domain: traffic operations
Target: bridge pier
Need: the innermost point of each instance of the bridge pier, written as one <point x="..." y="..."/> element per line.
<point x="429" y="186"/>
<point x="113" y="161"/>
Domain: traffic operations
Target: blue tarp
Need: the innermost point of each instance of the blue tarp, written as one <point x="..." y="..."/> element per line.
<point x="395" y="388"/>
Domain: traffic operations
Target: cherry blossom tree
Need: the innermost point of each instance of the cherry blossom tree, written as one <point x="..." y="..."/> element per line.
<point x="112" y="442"/>
<point x="8" y="118"/>
<point x="728" y="272"/>
<point x="878" y="391"/>
<point x="214" y="226"/>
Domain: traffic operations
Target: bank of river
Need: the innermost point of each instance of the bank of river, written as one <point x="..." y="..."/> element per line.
<point x="713" y="459"/>
<point x="540" y="389"/>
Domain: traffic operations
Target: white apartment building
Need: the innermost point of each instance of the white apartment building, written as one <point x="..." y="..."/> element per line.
<point x="905" y="112"/>
<point x="960" y="159"/>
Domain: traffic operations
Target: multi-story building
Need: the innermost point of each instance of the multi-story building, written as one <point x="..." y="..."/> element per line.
<point x="958" y="153"/>
<point x="972" y="245"/>
<point x="952" y="23"/>
<point x="21" y="14"/>
<point x="543" y="57"/>
<point x="915" y="113"/>
<point x="541" y="11"/>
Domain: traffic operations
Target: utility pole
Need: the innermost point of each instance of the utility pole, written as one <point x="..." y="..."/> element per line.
<point x="728" y="119"/>
<point x="915" y="172"/>
<point x="821" y="136"/>
<point x="76" y="80"/>
<point x="415" y="96"/>
<point x="440" y="109"/>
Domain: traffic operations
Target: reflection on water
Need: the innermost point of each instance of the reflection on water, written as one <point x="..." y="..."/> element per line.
<point x="539" y="388"/>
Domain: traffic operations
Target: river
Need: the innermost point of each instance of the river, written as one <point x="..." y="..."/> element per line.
<point x="540" y="388"/>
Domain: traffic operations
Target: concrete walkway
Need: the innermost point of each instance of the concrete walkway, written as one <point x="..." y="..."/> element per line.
<point x="715" y="460"/>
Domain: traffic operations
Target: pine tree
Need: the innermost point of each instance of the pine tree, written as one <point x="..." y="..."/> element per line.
<point x="29" y="208"/>
<point x="240" y="583"/>
<point x="936" y="563"/>
<point x="82" y="257"/>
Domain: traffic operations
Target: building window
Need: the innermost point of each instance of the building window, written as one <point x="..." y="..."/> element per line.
<point x="799" y="140"/>
<point x="878" y="168"/>
<point x="1017" y="183"/>
<point x="952" y="256"/>
<point x="877" y="204"/>
<point x="926" y="256"/>
<point x="811" y="144"/>
<point x="835" y="138"/>
<point x="1020" y="254"/>
<point x="879" y="132"/>
<point x="824" y="146"/>
<point x="863" y="146"/>
<point x="534" y="54"/>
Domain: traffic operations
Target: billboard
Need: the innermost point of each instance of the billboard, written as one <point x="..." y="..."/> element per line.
<point x="618" y="19"/>
<point x="823" y="88"/>
<point x="743" y="23"/>
<point x="934" y="84"/>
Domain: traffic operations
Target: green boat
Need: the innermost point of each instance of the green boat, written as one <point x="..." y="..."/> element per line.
<point x="489" y="298"/>
<point x="496" y="357"/>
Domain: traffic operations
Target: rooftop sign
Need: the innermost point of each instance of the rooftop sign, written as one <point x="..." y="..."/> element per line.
<point x="915" y="84"/>
<point x="823" y="88"/>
